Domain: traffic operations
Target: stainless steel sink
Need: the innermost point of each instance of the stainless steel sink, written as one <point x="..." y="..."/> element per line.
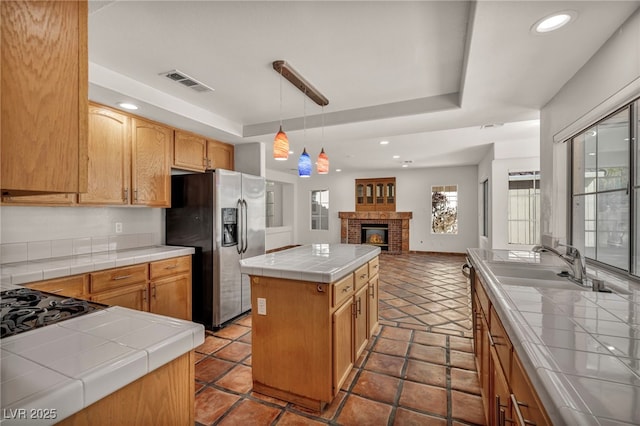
<point x="533" y="276"/>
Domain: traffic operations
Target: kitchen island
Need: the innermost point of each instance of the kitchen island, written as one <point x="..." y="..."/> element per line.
<point x="113" y="365"/>
<point x="314" y="309"/>
<point x="553" y="352"/>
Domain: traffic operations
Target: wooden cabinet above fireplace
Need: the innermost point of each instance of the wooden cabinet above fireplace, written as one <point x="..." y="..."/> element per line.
<point x="377" y="194"/>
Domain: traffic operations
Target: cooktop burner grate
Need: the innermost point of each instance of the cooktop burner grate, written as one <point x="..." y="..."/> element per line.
<point x="25" y="309"/>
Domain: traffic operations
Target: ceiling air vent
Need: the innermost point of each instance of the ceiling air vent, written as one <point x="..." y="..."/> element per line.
<point x="186" y="80"/>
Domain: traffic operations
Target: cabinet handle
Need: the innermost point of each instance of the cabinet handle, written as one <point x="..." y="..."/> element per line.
<point x="346" y="289"/>
<point x="491" y="342"/>
<point x="171" y="266"/>
<point x="372" y="291"/>
<point x="135" y="195"/>
<point x="144" y="295"/>
<point x="359" y="304"/>
<point x="516" y="406"/>
<point x="125" y="197"/>
<point x="153" y="292"/>
<point x="501" y="414"/>
<point x="363" y="276"/>
<point x="122" y="277"/>
<point x="205" y="161"/>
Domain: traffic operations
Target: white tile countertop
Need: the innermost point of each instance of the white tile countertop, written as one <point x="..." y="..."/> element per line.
<point x="44" y="269"/>
<point x="324" y="263"/>
<point x="64" y="367"/>
<point x="581" y="349"/>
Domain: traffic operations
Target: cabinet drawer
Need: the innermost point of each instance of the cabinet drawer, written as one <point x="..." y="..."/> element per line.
<point x="501" y="341"/>
<point x="361" y="276"/>
<point x="373" y="267"/>
<point x="342" y="290"/>
<point x="67" y="286"/>
<point x="118" y="277"/>
<point x="175" y="265"/>
<point x="482" y="296"/>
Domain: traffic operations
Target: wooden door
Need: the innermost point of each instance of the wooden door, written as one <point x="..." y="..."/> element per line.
<point x="189" y="151"/>
<point x="109" y="158"/>
<point x="500" y="395"/>
<point x="44" y="84"/>
<point x="220" y="155"/>
<point x="373" y="305"/>
<point x="361" y="320"/>
<point x="342" y="331"/>
<point x="133" y="296"/>
<point x="151" y="163"/>
<point x="171" y="297"/>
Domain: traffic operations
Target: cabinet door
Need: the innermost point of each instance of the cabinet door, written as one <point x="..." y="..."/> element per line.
<point x="361" y="320"/>
<point x="529" y="407"/>
<point x="133" y="296"/>
<point x="372" y="305"/>
<point x="500" y="401"/>
<point x="44" y="84"/>
<point x="189" y="151"/>
<point x="109" y="154"/>
<point x="151" y="163"/>
<point x="483" y="365"/>
<point x="220" y="155"/>
<point x="342" y="330"/>
<point x="172" y="297"/>
<point x="41" y="200"/>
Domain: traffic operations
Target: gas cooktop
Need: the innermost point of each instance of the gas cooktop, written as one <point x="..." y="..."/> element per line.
<point x="25" y="309"/>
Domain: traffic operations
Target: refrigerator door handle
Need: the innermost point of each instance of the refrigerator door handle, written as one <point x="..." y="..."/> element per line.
<point x="239" y="226"/>
<point x="245" y="225"/>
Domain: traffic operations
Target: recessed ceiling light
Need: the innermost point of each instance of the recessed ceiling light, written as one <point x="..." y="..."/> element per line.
<point x="396" y="157"/>
<point x="553" y="22"/>
<point x="338" y="170"/>
<point x="128" y="105"/>
<point x="405" y="165"/>
<point x="384" y="142"/>
<point x="291" y="152"/>
<point x="592" y="133"/>
<point x="592" y="153"/>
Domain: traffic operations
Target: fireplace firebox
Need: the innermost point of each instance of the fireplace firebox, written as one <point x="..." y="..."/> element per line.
<point x="375" y="234"/>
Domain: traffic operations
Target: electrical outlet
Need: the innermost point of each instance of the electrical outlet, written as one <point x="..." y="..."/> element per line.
<point x="118" y="227"/>
<point x="262" y="306"/>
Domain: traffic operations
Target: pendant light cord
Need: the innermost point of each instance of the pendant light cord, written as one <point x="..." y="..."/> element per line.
<point x="281" y="98"/>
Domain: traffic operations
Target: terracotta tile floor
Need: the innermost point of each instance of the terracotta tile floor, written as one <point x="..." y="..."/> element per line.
<point x="418" y="370"/>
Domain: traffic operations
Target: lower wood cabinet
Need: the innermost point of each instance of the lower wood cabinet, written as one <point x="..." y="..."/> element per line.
<point x="306" y="342"/>
<point x="507" y="393"/>
<point x="162" y="287"/>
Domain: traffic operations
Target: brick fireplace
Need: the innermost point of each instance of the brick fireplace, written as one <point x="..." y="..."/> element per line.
<point x="397" y="224"/>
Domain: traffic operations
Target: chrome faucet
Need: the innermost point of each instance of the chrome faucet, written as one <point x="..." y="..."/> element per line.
<point x="573" y="258"/>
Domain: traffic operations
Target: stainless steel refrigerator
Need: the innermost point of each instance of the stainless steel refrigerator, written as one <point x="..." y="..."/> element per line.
<point x="222" y="215"/>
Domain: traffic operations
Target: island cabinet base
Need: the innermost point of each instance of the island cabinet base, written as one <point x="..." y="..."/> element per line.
<point x="307" y="335"/>
<point x="291" y="340"/>
<point x="163" y="397"/>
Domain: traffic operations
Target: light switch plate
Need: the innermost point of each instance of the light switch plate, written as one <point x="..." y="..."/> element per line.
<point x="262" y="306"/>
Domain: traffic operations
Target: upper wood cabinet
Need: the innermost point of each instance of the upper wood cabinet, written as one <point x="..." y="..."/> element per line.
<point x="150" y="163"/>
<point x="189" y="151"/>
<point x="44" y="82"/>
<point x="196" y="153"/>
<point x="220" y="155"/>
<point x="40" y="200"/>
<point x="109" y="157"/>
<point x="376" y="194"/>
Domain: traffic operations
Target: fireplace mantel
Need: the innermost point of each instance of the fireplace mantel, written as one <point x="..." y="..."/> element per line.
<point x="351" y="224"/>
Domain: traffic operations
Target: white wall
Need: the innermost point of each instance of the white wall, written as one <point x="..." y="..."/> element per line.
<point x="607" y="81"/>
<point x="413" y="194"/>
<point x="25" y="224"/>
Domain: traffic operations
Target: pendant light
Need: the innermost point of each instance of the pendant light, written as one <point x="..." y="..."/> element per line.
<point x="322" y="165"/>
<point x="304" y="163"/>
<point x="281" y="142"/>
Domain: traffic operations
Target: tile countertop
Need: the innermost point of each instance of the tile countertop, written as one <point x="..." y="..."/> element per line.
<point x="62" y="368"/>
<point x="69" y="365"/>
<point x="44" y="269"/>
<point x="324" y="263"/>
<point x="581" y="349"/>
